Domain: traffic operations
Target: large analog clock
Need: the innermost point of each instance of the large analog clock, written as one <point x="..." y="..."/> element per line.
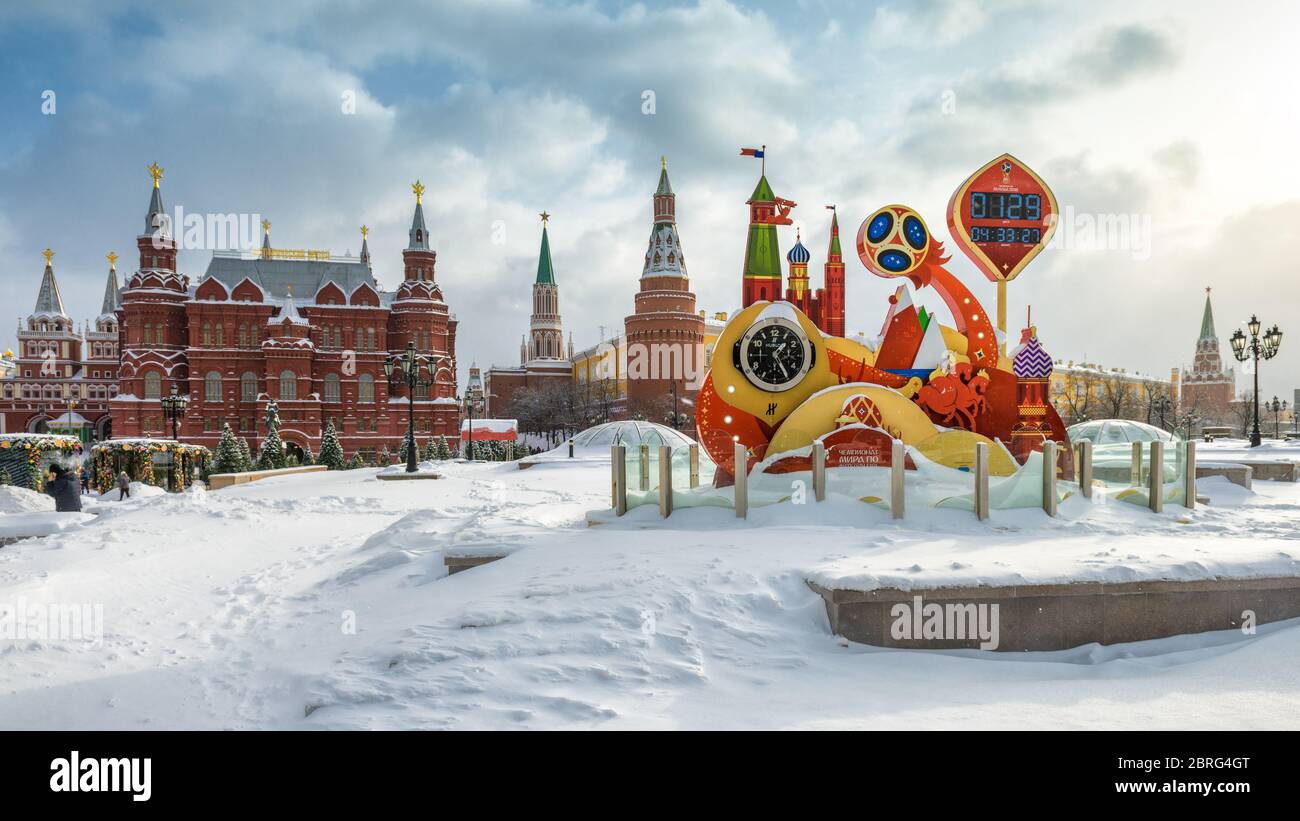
<point x="774" y="354"/>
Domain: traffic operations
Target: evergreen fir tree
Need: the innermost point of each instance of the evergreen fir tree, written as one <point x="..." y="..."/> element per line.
<point x="272" y="455"/>
<point x="408" y="442"/>
<point x="356" y="462"/>
<point x="430" y="451"/>
<point x="331" y="452"/>
<point x="308" y="458"/>
<point x="385" y="458"/>
<point x="442" y="452"/>
<point x="228" y="458"/>
<point x="245" y="455"/>
<point x="5" y="481"/>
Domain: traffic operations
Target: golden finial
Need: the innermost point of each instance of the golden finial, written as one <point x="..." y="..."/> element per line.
<point x="418" y="188"/>
<point x="155" y="171"/>
<point x="266" y="226"/>
<point x="545" y="217"/>
<point x="365" y="232"/>
<point x="290" y="289"/>
<point x="48" y="254"/>
<point x="111" y="256"/>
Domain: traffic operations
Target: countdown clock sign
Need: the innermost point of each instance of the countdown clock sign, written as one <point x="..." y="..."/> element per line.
<point x="1002" y="216"/>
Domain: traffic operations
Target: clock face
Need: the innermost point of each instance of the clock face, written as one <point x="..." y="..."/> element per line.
<point x="774" y="354"/>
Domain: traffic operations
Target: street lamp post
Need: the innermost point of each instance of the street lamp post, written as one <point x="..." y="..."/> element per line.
<point x="173" y="406"/>
<point x="408" y="368"/>
<point x="1256" y="348"/>
<point x="1162" y="405"/>
<point x="1277" y="406"/>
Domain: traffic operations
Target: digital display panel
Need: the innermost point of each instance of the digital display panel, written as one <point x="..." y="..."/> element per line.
<point x="1001" y="217"/>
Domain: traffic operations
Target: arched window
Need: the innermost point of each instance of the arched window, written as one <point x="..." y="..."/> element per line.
<point x="288" y="385"/>
<point x="370" y="339"/>
<point x="332" y="391"/>
<point x="248" y="387"/>
<point x="212" y="386"/>
<point x="153" y="385"/>
<point x="365" y="388"/>
<point x="221" y="336"/>
<point x="207" y="334"/>
<point x="148" y="334"/>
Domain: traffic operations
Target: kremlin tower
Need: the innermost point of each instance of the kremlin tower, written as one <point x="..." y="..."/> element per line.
<point x="1207" y="388"/>
<point x="545" y="327"/>
<point x="665" y="319"/>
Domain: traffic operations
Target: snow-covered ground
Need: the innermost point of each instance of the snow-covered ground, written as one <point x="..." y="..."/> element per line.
<point x="1269" y="450"/>
<point x="321" y="601"/>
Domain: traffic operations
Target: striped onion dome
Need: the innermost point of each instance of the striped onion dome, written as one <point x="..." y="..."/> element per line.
<point x="798" y="254"/>
<point x="1029" y="360"/>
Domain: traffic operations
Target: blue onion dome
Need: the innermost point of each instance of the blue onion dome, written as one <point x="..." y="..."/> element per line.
<point x="798" y="254"/>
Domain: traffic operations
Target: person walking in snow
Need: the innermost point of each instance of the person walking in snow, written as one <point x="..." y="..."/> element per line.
<point x="123" y="486"/>
<point x="62" y="485"/>
<point x="85" y="481"/>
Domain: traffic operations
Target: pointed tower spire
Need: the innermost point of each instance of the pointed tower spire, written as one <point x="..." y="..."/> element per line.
<point x="365" y="245"/>
<point x="49" y="301"/>
<point x="545" y="269"/>
<point x="108" y="309"/>
<point x="419" y="234"/>
<point x="266" y="239"/>
<point x="832" y="307"/>
<point x="1207" y="320"/>
<point x="156" y="218"/>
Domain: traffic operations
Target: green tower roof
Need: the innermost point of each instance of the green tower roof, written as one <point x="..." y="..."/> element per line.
<point x="762" y="191"/>
<point x="1207" y="319"/>
<point x="835" y="234"/>
<point x="545" y="270"/>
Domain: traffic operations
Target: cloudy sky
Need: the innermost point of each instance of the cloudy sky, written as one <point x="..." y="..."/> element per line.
<point x="1177" y="114"/>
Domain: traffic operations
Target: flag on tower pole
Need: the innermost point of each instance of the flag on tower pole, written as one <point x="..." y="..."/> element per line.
<point x="760" y="153"/>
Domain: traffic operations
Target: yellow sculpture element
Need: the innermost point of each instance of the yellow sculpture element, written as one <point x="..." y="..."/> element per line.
<point x="365" y="232"/>
<point x="155" y="171"/>
<point x="266" y="226"/>
<point x="111" y="256"/>
<point x="817" y="416"/>
<point x="418" y="188"/>
<point x="545" y="217"/>
<point x="956" y="449"/>
<point x="48" y="254"/>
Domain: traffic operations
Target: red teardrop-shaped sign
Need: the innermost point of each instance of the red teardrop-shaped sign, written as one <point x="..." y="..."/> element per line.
<point x="1002" y="216"/>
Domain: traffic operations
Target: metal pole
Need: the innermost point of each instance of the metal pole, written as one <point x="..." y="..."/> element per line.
<point x="1189" y="475"/>
<point x="742" y="481"/>
<point x="665" y="481"/>
<point x="411" y="465"/>
<point x="1156" y="485"/>
<point x="1255" y="439"/>
<point x="981" y="480"/>
<point x="1049" y="477"/>
<point x="1085" y="468"/>
<point x="819" y="471"/>
<point x="619" y="464"/>
<point x="897" y="463"/>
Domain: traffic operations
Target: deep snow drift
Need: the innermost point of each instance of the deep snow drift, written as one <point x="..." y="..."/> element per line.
<point x="320" y="601"/>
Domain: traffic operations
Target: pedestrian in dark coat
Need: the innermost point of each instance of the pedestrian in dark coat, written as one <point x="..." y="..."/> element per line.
<point x="123" y="486"/>
<point x="63" y="486"/>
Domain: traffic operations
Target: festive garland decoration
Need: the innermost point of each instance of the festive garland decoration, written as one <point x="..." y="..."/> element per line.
<point x="135" y="458"/>
<point x="34" y="446"/>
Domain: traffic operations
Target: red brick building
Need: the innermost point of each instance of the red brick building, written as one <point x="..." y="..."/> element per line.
<point x="59" y="377"/>
<point x="306" y="330"/>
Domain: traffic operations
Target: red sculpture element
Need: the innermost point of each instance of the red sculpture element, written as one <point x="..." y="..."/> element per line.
<point x="956" y="397"/>
<point x="905" y="248"/>
<point x="781" y="216"/>
<point x="859" y="410"/>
